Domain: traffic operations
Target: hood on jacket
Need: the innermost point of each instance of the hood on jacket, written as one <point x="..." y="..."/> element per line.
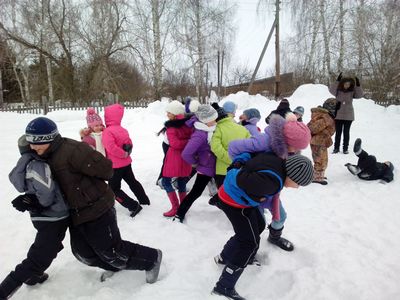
<point x="113" y="114"/>
<point x="276" y="133"/>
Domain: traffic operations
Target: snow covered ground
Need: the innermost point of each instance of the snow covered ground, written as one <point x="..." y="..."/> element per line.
<point x="346" y="233"/>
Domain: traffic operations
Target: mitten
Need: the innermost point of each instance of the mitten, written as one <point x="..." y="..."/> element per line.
<point x="27" y="202"/>
<point x="127" y="148"/>
<point x="339" y="77"/>
<point x="357" y="81"/>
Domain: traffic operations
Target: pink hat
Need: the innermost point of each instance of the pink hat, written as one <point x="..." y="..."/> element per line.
<point x="297" y="134"/>
<point x="92" y="118"/>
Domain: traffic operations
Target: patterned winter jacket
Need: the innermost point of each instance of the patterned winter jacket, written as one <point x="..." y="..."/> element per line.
<point x="32" y="175"/>
<point x="322" y="127"/>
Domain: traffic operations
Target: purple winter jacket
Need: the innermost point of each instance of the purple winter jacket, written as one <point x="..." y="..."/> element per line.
<point x="272" y="140"/>
<point x="198" y="151"/>
<point x="251" y="126"/>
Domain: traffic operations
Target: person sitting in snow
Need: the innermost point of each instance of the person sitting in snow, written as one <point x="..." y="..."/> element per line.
<point x="282" y="109"/>
<point x="249" y="119"/>
<point x="322" y="127"/>
<point x="249" y="184"/>
<point x="368" y="168"/>
<point x="80" y="171"/>
<point x="197" y="152"/>
<point x="49" y="215"/>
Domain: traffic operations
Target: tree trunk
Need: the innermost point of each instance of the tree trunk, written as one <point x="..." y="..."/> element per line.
<point x="341" y="33"/>
<point x="200" y="51"/>
<point x="21" y="88"/>
<point x="157" y="49"/>
<point x="360" y="29"/>
<point x="49" y="80"/>
<point x="327" y="55"/>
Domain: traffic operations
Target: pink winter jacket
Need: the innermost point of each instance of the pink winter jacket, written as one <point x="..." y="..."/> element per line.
<point x="178" y="135"/>
<point x="114" y="136"/>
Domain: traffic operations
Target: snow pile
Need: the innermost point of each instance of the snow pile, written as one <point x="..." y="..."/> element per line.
<point x="345" y="233"/>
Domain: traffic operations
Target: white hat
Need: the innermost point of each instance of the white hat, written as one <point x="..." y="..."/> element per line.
<point x="193" y="106"/>
<point x="206" y="113"/>
<point x="175" y="108"/>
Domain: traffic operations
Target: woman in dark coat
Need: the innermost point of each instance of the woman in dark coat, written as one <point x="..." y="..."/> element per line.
<point x="345" y="90"/>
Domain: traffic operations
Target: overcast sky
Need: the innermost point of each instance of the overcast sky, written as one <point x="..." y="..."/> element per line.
<point x="252" y="32"/>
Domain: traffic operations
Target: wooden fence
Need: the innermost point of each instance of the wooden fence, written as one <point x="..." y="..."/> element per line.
<point x="44" y="109"/>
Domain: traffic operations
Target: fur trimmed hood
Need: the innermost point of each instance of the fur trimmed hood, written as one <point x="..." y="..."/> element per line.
<point x="177" y="123"/>
<point x="276" y="133"/>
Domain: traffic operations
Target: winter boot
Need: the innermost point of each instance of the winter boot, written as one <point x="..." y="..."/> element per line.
<point x="136" y="211"/>
<point x="345" y="151"/>
<point x="182" y="196"/>
<point x="178" y="218"/>
<point x="353" y="169"/>
<point x="226" y="283"/>
<point x="175" y="204"/>
<point x="357" y="147"/>
<point x="319" y="178"/>
<point x="335" y="151"/>
<point x="37" y="279"/>
<point x="9" y="286"/>
<point x="220" y="261"/>
<point x="152" y="274"/>
<point x="276" y="239"/>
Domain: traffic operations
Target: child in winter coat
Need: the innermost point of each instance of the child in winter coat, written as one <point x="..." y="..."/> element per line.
<point x="226" y="131"/>
<point x="250" y="183"/>
<point x="92" y="135"/>
<point x="249" y="119"/>
<point x="322" y="127"/>
<point x="81" y="172"/>
<point x="282" y="136"/>
<point x="368" y="168"/>
<point x="49" y="215"/>
<point x="118" y="147"/>
<point x="198" y="153"/>
<point x="178" y="135"/>
<point x="345" y="90"/>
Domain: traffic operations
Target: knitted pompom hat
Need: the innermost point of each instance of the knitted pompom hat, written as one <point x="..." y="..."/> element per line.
<point x="297" y="134"/>
<point x="92" y="118"/>
<point x="175" y="108"/>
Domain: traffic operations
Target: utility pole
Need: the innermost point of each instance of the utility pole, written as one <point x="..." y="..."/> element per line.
<point x="277" y="55"/>
<point x="261" y="57"/>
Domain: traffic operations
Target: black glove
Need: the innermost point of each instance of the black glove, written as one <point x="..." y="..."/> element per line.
<point x="339" y="77"/>
<point x="357" y="81"/>
<point x="127" y="148"/>
<point x="235" y="165"/>
<point x="27" y="202"/>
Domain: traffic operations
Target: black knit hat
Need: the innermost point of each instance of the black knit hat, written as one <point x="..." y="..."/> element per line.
<point x="41" y="131"/>
<point x="299" y="169"/>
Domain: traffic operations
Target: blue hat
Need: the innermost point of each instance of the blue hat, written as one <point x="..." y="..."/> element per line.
<point x="41" y="131"/>
<point x="252" y="113"/>
<point x="229" y="107"/>
<point x="299" y="110"/>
